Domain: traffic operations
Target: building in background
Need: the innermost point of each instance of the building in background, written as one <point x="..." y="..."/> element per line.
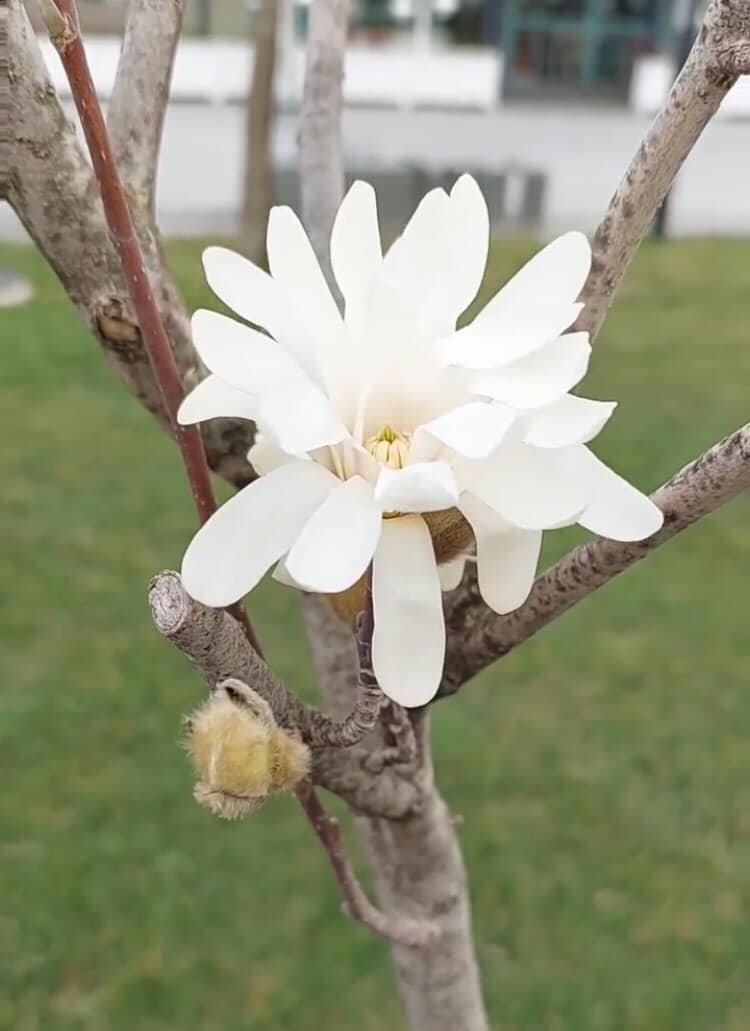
<point x="550" y="49"/>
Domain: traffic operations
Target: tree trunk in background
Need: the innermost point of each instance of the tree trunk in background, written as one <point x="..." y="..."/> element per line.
<point x="258" y="185"/>
<point x="416" y="862"/>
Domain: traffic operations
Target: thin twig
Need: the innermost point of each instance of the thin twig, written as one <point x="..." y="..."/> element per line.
<point x="218" y="648"/>
<point x="51" y="186"/>
<point x="402" y="930"/>
<point x="122" y="232"/>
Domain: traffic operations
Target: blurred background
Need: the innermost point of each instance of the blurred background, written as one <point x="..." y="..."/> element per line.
<point x="602" y="772"/>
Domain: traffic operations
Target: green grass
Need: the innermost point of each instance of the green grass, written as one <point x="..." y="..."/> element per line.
<point x="603" y="771"/>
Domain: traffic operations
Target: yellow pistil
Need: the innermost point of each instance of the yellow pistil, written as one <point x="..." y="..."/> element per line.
<point x="389" y="447"/>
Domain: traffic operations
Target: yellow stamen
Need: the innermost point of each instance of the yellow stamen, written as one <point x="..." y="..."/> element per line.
<point x="389" y="447"/>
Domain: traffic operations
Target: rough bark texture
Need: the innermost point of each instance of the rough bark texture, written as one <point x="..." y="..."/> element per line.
<point x="258" y="187"/>
<point x="53" y="191"/>
<point x="416" y="861"/>
<point x="216" y="645"/>
<point x="478" y="636"/>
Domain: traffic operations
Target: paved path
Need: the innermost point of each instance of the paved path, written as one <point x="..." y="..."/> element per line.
<point x="582" y="150"/>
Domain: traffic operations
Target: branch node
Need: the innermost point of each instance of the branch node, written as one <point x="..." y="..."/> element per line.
<point x="61" y="28"/>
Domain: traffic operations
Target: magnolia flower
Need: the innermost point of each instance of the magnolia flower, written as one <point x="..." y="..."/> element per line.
<point x="386" y="437"/>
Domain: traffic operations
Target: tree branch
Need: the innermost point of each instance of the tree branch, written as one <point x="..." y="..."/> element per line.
<point x="218" y="649"/>
<point x="53" y="191"/>
<point x="321" y="169"/>
<point x="396" y="927"/>
<point x="139" y="99"/>
<point x="718" y="56"/>
<point x="479" y="636"/>
<point x="257" y="193"/>
<point x="122" y="231"/>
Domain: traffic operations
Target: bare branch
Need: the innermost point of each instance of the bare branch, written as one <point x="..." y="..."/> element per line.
<point x="258" y="187"/>
<point x="719" y="55"/>
<point x="479" y="636"/>
<point x="476" y="635"/>
<point x="122" y="231"/>
<point x="395" y="926"/>
<point x="54" y="193"/>
<point x="141" y="91"/>
<point x="218" y="649"/>
<point x="321" y="170"/>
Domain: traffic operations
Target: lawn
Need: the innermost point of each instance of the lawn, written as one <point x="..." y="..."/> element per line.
<point x="602" y="771"/>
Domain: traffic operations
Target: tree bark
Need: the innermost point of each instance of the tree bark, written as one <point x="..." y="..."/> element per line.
<point x="416" y="861"/>
<point x="52" y="189"/>
<point x="258" y="185"/>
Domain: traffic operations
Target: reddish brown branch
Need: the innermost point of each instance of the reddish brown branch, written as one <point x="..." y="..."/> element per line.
<point x="66" y="37"/>
<point x="122" y="232"/>
<point x="395" y="927"/>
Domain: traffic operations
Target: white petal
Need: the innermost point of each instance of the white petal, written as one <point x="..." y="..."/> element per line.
<point x="617" y="510"/>
<point x="244" y="288"/>
<point x="408" y="645"/>
<point x="356" y="254"/>
<point x="416" y="261"/>
<point x="507" y="557"/>
<point x="571" y="420"/>
<point x="242" y="357"/>
<point x="422" y="487"/>
<point x="451" y="573"/>
<point x="556" y="274"/>
<point x="407" y="256"/>
<point x="473" y="430"/>
<point x="215" y="399"/>
<point x="541" y="377"/>
<point x="281" y="576"/>
<point x="300" y="417"/>
<point x="533" y="488"/>
<point x="295" y="268"/>
<point x="468" y="241"/>
<point x="265" y="455"/>
<point x="535" y="306"/>
<point x="338" y="541"/>
<point x="489" y="344"/>
<point x="231" y="552"/>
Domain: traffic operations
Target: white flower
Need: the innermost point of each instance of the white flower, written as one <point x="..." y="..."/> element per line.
<point x="371" y="422"/>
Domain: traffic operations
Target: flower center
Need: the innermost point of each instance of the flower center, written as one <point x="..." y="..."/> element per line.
<point x="389" y="447"/>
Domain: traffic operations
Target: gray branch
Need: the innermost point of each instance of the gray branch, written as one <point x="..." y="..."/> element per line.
<point x="321" y="170"/>
<point x="719" y="55"/>
<point x="476" y="635"/>
<point x="219" y="649"/>
<point x="479" y="636"/>
<point x="141" y="91"/>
